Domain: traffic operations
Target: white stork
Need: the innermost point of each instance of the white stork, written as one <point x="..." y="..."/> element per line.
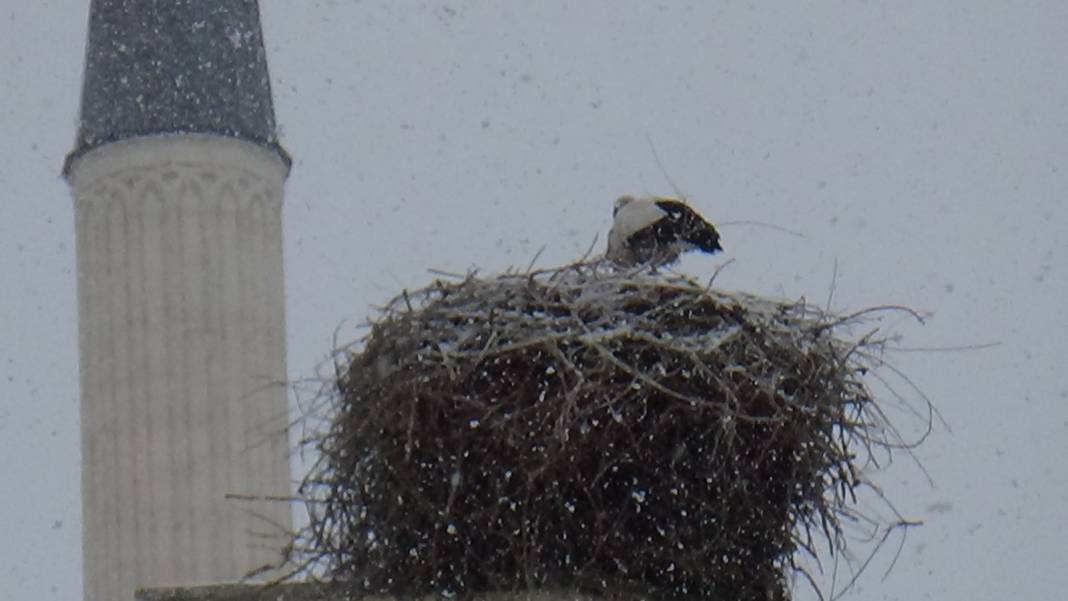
<point x="656" y="230"/>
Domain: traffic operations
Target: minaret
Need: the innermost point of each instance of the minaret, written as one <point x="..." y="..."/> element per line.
<point x="177" y="178"/>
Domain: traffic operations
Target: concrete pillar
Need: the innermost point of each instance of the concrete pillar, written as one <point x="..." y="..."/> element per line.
<point x="182" y="340"/>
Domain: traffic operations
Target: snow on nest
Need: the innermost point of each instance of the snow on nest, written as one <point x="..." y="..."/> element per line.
<point x="593" y="429"/>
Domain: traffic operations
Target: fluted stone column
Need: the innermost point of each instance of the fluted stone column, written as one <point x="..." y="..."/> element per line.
<point x="182" y="340"/>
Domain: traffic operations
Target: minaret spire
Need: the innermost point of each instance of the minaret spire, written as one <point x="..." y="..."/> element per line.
<point x="166" y="66"/>
<point x="177" y="177"/>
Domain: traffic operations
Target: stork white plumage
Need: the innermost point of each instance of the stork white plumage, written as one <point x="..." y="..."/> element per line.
<point x="655" y="230"/>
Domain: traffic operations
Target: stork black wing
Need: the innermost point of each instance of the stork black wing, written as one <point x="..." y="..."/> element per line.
<point x="676" y="210"/>
<point x="688" y="226"/>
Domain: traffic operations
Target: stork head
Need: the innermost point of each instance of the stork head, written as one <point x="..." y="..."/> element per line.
<point x="621" y="202"/>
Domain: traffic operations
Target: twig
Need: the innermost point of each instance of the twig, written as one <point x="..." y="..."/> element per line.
<point x="589" y="250"/>
<point x="752" y="223"/>
<point x="715" y="274"/>
<point x="660" y="164"/>
<point x="834" y="282"/>
<point x="448" y="274"/>
<point x="943" y="349"/>
<point x="530" y="266"/>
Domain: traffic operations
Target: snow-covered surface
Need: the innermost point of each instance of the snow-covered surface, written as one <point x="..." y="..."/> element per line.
<point x="920" y="147"/>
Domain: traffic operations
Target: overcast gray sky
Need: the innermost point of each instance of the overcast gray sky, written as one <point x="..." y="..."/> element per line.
<point x="923" y="146"/>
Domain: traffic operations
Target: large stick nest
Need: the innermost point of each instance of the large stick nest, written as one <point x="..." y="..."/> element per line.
<point x="588" y="429"/>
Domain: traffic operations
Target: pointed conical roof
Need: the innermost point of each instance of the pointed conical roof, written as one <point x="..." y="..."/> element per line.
<point x="175" y="66"/>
